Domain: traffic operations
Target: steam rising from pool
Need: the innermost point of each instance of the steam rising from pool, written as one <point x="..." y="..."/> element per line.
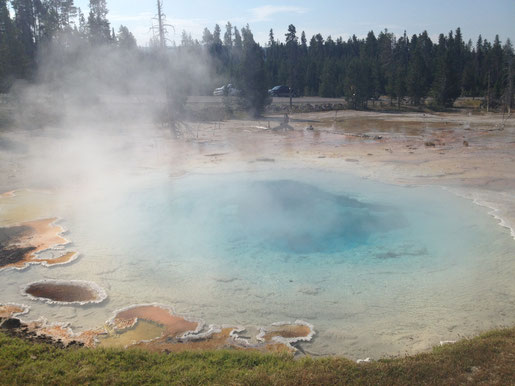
<point x="295" y="217"/>
<point x="377" y="269"/>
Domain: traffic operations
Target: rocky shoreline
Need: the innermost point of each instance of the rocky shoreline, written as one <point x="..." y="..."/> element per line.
<point x="14" y="327"/>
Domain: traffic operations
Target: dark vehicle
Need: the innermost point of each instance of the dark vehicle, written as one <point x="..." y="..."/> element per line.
<point x="281" y="91"/>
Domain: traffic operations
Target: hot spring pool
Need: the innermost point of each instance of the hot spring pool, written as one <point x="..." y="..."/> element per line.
<point x="377" y="269"/>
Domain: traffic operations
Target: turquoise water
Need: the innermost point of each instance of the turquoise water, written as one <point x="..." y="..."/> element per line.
<point x="377" y="269"/>
<point x="275" y="216"/>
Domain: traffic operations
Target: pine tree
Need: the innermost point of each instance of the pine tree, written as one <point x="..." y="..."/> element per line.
<point x="440" y="87"/>
<point x="315" y="63"/>
<point x="236" y="54"/>
<point x="454" y="66"/>
<point x="312" y="78"/>
<point x="271" y="38"/>
<point x="470" y="72"/>
<point x="25" y="24"/>
<point x="67" y="12"/>
<point x="238" y="44"/>
<point x="414" y="81"/>
<point x="228" y="35"/>
<point x="216" y="35"/>
<point x="8" y="47"/>
<point x="83" y="27"/>
<point x="253" y="74"/>
<point x="508" y="71"/>
<point x="292" y="54"/>
<point x="495" y="60"/>
<point x="329" y="79"/>
<point x="356" y="83"/>
<point x="186" y="39"/>
<point x="479" y="64"/>
<point x="207" y="37"/>
<point x="271" y="62"/>
<point x="126" y="39"/>
<point x="99" y="30"/>
<point x="401" y="55"/>
<point x="291" y="36"/>
<point x="419" y="68"/>
<point x="372" y="58"/>
<point x="47" y="19"/>
<point x="303" y="41"/>
<point x="302" y="64"/>
<point x="386" y="42"/>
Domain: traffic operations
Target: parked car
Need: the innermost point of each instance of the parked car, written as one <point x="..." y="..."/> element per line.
<point x="227" y="90"/>
<point x="280" y="91"/>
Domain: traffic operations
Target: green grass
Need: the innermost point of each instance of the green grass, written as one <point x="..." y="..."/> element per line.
<point x="487" y="359"/>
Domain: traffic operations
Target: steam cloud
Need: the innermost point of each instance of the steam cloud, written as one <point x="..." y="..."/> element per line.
<point x="92" y="111"/>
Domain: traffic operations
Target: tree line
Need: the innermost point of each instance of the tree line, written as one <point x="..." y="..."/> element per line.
<point x="35" y="24"/>
<point x="361" y="70"/>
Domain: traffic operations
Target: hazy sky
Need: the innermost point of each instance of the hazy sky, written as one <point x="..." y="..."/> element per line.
<point x="329" y="17"/>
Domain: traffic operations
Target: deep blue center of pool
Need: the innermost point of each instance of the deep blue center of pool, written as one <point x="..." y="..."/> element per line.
<point x="296" y="217"/>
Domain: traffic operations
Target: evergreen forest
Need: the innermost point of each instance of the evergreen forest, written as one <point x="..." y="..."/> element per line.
<point x="405" y="69"/>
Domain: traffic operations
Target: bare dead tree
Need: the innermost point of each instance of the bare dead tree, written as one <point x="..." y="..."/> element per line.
<point x="160" y="18"/>
<point x="160" y="31"/>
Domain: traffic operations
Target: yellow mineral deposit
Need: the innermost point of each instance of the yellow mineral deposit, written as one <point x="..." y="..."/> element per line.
<point x="214" y="341"/>
<point x="10" y="310"/>
<point x="157" y="328"/>
<point x="45" y="235"/>
<point x="66" y="258"/>
<point x="39" y="236"/>
<point x="145" y="323"/>
<point x="25" y="205"/>
<point x="64" y="334"/>
<point x="141" y="331"/>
